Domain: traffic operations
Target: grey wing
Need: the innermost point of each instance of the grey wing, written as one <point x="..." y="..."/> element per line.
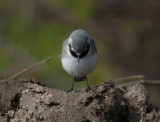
<point x="64" y="48"/>
<point x="65" y="43"/>
<point x="93" y="45"/>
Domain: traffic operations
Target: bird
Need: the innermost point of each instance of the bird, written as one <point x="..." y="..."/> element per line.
<point x="79" y="56"/>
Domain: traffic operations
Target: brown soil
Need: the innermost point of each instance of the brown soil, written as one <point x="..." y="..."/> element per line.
<point x="29" y="100"/>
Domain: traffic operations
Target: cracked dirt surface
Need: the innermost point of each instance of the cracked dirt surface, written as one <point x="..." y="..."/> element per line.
<point x="29" y="100"/>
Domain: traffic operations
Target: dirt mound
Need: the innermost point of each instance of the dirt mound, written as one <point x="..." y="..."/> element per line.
<point x="29" y="100"/>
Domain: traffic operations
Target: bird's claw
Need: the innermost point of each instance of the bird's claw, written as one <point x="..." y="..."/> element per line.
<point x="70" y="90"/>
<point x="88" y="89"/>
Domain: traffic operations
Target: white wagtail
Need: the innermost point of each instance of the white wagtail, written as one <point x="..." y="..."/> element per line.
<point x="79" y="56"/>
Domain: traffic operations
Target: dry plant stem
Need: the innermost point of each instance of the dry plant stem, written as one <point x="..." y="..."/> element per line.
<point x="128" y="78"/>
<point x="135" y="77"/>
<point x="31" y="67"/>
<point x="122" y="89"/>
<point x="141" y="81"/>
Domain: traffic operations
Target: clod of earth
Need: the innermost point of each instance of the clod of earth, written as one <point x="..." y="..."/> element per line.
<point x="29" y="100"/>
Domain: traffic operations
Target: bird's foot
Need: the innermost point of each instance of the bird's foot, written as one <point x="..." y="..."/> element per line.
<point x="70" y="90"/>
<point x="88" y="89"/>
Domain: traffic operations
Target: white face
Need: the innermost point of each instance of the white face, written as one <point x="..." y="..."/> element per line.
<point x="70" y="40"/>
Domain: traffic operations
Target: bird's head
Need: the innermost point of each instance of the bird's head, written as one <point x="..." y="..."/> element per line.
<point x="79" y="43"/>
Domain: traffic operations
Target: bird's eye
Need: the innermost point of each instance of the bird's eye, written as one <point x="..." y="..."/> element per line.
<point x="87" y="47"/>
<point x="71" y="49"/>
<point x="70" y="46"/>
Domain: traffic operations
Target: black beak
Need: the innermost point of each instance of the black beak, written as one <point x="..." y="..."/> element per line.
<point x="78" y="57"/>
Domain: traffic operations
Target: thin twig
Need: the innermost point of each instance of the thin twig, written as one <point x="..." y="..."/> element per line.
<point x="122" y="89"/>
<point x="31" y="67"/>
<point x="130" y="77"/>
<point x="140" y="81"/>
<point x="127" y="84"/>
<point x="156" y="82"/>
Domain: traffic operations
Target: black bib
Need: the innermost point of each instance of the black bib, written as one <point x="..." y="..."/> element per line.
<point x="83" y="54"/>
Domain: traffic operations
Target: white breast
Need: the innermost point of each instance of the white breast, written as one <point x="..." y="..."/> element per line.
<point x="85" y="66"/>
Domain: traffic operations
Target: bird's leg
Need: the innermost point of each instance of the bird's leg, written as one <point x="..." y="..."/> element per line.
<point x="72" y="86"/>
<point x="88" y="88"/>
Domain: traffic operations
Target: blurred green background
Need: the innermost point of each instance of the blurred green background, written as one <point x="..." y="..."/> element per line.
<point x="126" y="32"/>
